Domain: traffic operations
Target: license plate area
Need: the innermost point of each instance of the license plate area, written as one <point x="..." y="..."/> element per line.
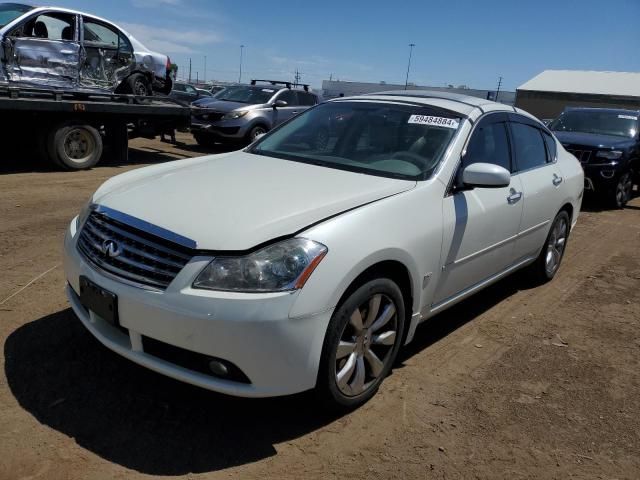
<point x="99" y="300"/>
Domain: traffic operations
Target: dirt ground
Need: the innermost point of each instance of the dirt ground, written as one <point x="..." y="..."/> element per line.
<point x="517" y="382"/>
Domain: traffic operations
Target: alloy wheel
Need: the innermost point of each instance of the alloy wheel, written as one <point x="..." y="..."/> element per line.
<point x="623" y="190"/>
<point x="556" y="245"/>
<point x="366" y="345"/>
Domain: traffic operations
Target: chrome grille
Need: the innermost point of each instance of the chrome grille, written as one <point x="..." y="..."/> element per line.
<point x="135" y="255"/>
<point x="583" y="156"/>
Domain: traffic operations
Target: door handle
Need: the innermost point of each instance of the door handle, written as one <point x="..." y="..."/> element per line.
<point x="556" y="180"/>
<point x="514" y="197"/>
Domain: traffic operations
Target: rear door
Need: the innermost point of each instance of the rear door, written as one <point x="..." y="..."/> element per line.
<point x="45" y="50"/>
<point x="107" y="55"/>
<point x="537" y="169"/>
<point x="480" y="224"/>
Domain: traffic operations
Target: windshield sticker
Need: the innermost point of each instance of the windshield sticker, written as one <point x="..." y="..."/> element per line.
<point x="437" y="121"/>
<point x="268" y="90"/>
<point x="628" y="117"/>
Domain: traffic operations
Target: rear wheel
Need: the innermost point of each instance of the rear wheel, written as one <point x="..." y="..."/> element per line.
<point x="138" y="84"/>
<point x="362" y="342"/>
<point x="548" y="262"/>
<point x="74" y="146"/>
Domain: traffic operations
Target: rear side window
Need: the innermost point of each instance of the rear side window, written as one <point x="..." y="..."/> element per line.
<point x="530" y="149"/>
<point x="307" y="99"/>
<point x="552" y="149"/>
<point x="99" y="35"/>
<point x="290" y="97"/>
<point x="489" y="144"/>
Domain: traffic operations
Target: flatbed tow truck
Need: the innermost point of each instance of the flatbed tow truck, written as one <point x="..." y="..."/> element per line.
<point x="70" y="128"/>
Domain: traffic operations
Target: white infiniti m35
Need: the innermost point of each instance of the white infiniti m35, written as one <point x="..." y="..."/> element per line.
<point x="308" y="259"/>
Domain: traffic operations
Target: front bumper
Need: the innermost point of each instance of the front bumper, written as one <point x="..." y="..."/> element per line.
<point x="280" y="355"/>
<point x="600" y="177"/>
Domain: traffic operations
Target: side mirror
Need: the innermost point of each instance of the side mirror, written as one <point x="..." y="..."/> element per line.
<point x="279" y="103"/>
<point x="486" y="175"/>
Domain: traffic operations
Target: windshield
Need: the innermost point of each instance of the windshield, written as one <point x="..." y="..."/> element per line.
<point x="242" y="94"/>
<point x="388" y="140"/>
<point x="10" y="11"/>
<point x="620" y="124"/>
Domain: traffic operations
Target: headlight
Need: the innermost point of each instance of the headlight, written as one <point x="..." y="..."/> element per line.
<point x="609" y="154"/>
<point x="235" y="114"/>
<point x="84" y="214"/>
<point x="284" y="266"/>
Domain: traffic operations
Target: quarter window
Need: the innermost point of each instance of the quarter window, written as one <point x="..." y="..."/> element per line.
<point x="529" y="146"/>
<point x="489" y="144"/>
<point x="552" y="149"/>
<point x="306" y="99"/>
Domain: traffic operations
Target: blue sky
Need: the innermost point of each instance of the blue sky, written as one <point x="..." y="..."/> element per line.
<point x="457" y="41"/>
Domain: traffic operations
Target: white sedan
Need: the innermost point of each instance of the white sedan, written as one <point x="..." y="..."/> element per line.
<point x="308" y="259"/>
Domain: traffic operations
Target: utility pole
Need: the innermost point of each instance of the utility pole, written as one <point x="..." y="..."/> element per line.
<point x="204" y="80"/>
<point x="406" y="82"/>
<point x="498" y="91"/>
<point x="297" y="78"/>
<point x="240" y="75"/>
<point x="189" y="70"/>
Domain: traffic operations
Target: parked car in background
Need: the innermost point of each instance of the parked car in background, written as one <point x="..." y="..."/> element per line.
<point x="204" y="93"/>
<point x="216" y="88"/>
<point x="61" y="48"/>
<point x="292" y="264"/>
<point x="607" y="144"/>
<point x="185" y="92"/>
<point x="241" y="113"/>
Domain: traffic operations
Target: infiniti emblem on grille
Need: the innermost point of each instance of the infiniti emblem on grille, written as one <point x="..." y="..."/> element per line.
<point x="110" y="248"/>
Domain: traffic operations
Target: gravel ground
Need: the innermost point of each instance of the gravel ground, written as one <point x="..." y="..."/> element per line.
<point x="517" y="382"/>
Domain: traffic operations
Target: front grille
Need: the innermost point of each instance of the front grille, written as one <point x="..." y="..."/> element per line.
<point x="136" y="256"/>
<point x="207" y="116"/>
<point x="583" y="156"/>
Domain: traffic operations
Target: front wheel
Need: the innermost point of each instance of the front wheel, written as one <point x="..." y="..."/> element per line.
<point x="255" y="133"/>
<point x="74" y="146"/>
<point x="362" y="342"/>
<point x="621" y="194"/>
<point x="548" y="262"/>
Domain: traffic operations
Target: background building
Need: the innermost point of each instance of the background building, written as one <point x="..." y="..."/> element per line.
<point x="549" y="93"/>
<point x="334" y="88"/>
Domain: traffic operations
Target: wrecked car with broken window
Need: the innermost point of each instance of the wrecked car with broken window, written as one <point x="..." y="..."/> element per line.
<point x="60" y="48"/>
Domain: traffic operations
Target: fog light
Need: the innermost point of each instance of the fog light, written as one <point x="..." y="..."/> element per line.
<point x="218" y="368"/>
<point x="607" y="173"/>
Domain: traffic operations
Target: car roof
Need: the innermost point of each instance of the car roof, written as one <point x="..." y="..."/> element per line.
<point x="464" y="104"/>
<point x="610" y="110"/>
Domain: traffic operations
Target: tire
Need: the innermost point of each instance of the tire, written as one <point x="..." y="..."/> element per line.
<point x="348" y="375"/>
<point x="204" y="140"/>
<point x="138" y="84"/>
<point x="73" y="146"/>
<point x="621" y="193"/>
<point x="548" y="262"/>
<point x="255" y="131"/>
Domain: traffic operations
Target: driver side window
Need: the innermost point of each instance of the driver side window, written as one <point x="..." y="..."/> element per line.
<point x="489" y="144"/>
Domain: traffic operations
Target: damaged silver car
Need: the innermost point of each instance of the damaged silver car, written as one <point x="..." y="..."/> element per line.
<point x="60" y="48"/>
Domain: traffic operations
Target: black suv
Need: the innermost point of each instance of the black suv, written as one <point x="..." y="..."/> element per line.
<point x="607" y="143"/>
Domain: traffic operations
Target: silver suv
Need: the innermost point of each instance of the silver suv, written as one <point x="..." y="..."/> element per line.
<point x="241" y="113"/>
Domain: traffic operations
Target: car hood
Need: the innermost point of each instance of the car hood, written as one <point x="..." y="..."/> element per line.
<point x="220" y="105"/>
<point x="236" y="201"/>
<point x="593" y="140"/>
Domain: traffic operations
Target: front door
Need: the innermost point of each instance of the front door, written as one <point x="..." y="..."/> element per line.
<point x="45" y="50"/>
<point x="480" y="224"/>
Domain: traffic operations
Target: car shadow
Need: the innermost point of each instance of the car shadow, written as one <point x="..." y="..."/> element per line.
<point x="139" y="419"/>
<point x="150" y="423"/>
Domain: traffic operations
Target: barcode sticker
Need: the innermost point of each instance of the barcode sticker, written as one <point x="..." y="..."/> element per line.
<point x="436" y="121"/>
<point x="628" y="117"/>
